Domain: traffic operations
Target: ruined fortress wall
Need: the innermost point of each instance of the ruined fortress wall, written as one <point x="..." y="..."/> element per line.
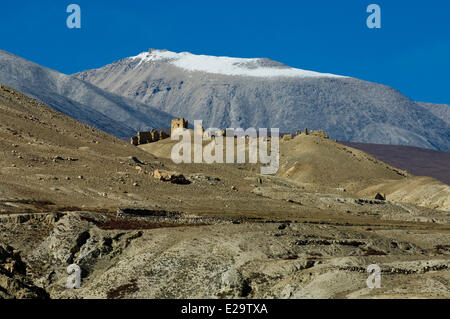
<point x="144" y="137"/>
<point x="148" y="137"/>
<point x="178" y="123"/>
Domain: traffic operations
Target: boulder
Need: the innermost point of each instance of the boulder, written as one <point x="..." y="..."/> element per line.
<point x="380" y="196"/>
<point x="170" y="176"/>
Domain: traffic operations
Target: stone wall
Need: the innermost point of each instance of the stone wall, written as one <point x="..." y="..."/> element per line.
<point x="178" y="123"/>
<point x="148" y="137"/>
<point x="144" y="137"/>
<point x="319" y="133"/>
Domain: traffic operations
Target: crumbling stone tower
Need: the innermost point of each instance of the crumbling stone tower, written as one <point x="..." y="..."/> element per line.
<point x="178" y="123"/>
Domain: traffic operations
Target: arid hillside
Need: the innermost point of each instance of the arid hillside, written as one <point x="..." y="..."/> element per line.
<point x="323" y="165"/>
<point x="52" y="158"/>
<point x="315" y="160"/>
<point x="71" y="194"/>
<point x="311" y="159"/>
<point x="417" y="161"/>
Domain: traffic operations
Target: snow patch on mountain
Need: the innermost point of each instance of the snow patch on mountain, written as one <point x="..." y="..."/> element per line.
<point x="257" y="67"/>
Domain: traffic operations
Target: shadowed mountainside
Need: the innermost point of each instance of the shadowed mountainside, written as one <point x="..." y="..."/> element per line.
<point x="440" y="110"/>
<point x="80" y="100"/>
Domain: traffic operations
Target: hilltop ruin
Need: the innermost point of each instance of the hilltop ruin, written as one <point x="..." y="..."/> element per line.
<point x="178" y="123"/>
<point x="148" y="137"/>
<point x="319" y="133"/>
<point x="154" y="135"/>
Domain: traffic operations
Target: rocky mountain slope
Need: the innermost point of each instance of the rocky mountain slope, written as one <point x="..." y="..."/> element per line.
<point x="440" y="110"/>
<point x="234" y="92"/>
<point x="111" y="113"/>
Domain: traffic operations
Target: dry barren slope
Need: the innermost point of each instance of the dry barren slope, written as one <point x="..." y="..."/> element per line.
<point x="311" y="159"/>
<point x="267" y="237"/>
<point x="52" y="162"/>
<point x="315" y="160"/>
<point x="417" y="161"/>
<point x="48" y="156"/>
<point x="324" y="165"/>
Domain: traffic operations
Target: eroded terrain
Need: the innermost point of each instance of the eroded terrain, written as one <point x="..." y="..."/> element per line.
<point x="70" y="194"/>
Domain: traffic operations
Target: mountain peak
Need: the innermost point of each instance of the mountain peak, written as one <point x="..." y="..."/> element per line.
<point x="255" y="67"/>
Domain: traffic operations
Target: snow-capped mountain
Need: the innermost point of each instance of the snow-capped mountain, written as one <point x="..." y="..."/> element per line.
<point x="259" y="67"/>
<point x="83" y="101"/>
<point x="234" y="92"/>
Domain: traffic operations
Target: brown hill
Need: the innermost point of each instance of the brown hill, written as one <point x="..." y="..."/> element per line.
<point x="230" y="233"/>
<point x="322" y="165"/>
<point x="415" y="160"/>
<point x="51" y="158"/>
<point x="315" y="160"/>
<point x="311" y="159"/>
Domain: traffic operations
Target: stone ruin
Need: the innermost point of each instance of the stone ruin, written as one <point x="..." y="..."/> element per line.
<point x="148" y="137"/>
<point x="178" y="123"/>
<point x="156" y="135"/>
<point x="319" y="133"/>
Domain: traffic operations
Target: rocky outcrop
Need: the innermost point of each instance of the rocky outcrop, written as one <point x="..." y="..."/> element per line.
<point x="170" y="176"/>
<point x="13" y="281"/>
<point x="380" y="196"/>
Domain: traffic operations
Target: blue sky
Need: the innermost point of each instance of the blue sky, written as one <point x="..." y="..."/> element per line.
<point x="411" y="51"/>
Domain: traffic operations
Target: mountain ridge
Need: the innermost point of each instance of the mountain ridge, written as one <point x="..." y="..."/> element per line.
<point x="348" y="109"/>
<point x="78" y="99"/>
